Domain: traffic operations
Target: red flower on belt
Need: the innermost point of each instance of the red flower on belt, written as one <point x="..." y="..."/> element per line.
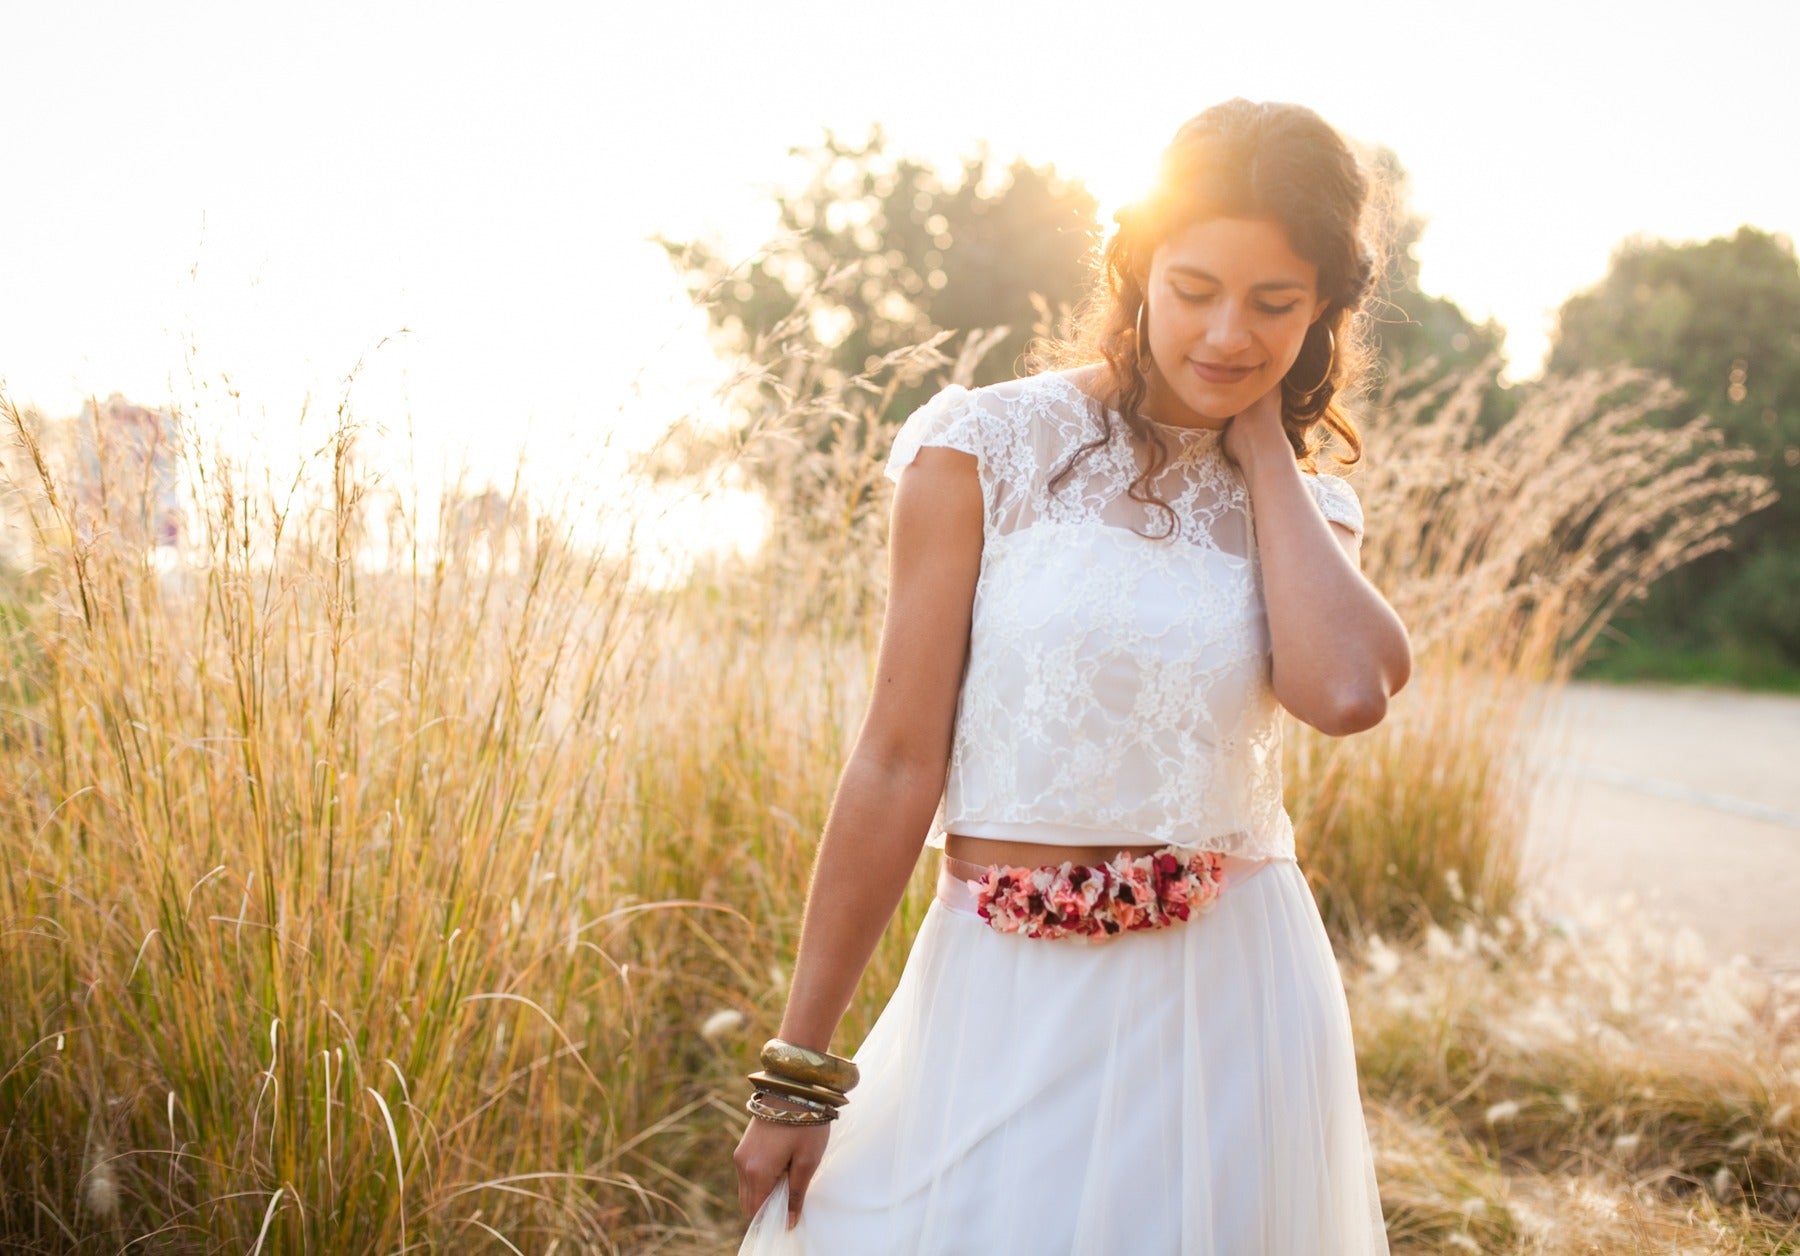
<point x="1122" y="895"/>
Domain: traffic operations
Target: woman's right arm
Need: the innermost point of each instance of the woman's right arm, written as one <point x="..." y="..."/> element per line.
<point x="889" y="788"/>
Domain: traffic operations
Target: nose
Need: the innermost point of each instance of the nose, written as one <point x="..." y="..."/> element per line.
<point x="1228" y="331"/>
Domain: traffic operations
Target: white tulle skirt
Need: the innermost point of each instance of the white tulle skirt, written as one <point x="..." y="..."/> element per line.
<point x="1185" y="1090"/>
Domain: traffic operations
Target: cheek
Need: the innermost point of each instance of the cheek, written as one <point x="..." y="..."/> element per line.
<point x="1182" y="329"/>
<point x="1289" y="343"/>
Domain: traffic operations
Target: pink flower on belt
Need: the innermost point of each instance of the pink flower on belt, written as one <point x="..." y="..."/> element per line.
<point x="1122" y="895"/>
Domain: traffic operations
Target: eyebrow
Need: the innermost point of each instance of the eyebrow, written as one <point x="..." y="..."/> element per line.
<point x="1274" y="285"/>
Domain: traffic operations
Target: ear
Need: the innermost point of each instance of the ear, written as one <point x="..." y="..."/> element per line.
<point x="1319" y="310"/>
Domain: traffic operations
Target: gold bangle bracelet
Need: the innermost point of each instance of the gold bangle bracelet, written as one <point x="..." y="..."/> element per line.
<point x="800" y="1090"/>
<point x="821" y="1068"/>
<point x="758" y="1108"/>
<point x="764" y="1094"/>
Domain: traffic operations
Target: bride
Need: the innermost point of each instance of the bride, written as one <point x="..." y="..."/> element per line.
<point x="1120" y="1027"/>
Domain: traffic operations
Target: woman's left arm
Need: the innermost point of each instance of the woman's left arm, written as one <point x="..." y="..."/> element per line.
<point x="1339" y="650"/>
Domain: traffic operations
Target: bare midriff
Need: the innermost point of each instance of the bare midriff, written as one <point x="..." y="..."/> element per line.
<point x="991" y="850"/>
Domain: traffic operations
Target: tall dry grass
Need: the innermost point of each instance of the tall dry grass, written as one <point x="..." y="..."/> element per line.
<point x="364" y="892"/>
<point x="313" y="885"/>
<point x="1640" y="1095"/>
<point x="1505" y="557"/>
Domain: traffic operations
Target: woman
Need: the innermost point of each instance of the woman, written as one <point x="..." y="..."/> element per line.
<point x="1121" y="1027"/>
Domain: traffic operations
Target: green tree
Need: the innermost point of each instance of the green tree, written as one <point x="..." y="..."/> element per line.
<point x="1721" y="318"/>
<point x="836" y="322"/>
<point x="1423" y="339"/>
<point x="878" y="251"/>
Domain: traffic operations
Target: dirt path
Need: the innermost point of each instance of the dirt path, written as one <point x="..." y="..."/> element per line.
<point x="1686" y="798"/>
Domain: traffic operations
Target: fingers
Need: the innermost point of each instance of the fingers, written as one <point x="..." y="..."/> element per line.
<point x="756" y="1178"/>
<point x="752" y="1191"/>
<point x="800" y="1174"/>
<point x="766" y="1157"/>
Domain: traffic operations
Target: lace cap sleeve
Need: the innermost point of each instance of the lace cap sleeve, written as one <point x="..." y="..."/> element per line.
<point x="946" y="420"/>
<point x="1338" y="501"/>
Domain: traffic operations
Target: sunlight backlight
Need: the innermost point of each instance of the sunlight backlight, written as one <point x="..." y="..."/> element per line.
<point x="240" y="208"/>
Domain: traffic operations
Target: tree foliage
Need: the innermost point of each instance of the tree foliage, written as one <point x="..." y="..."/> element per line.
<point x="1425" y="339"/>
<point x="880" y="251"/>
<point x="1721" y="318"/>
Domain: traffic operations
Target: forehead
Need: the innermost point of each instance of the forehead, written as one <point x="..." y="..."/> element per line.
<point x="1247" y="252"/>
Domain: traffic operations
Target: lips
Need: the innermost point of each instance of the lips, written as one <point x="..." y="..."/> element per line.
<point x="1214" y="374"/>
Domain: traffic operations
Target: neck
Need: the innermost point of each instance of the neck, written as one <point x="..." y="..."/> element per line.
<point x="1161" y="405"/>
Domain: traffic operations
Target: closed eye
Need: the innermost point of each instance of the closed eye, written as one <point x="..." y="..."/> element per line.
<point x="1199" y="298"/>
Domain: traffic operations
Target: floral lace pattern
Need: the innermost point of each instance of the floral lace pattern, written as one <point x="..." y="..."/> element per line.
<point x="1117" y="684"/>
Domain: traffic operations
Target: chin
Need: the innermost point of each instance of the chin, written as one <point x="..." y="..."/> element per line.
<point x="1216" y="405"/>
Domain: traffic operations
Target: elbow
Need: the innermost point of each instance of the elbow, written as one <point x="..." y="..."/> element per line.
<point x="1357" y="713"/>
<point x="1362" y="706"/>
<point x="1351" y="711"/>
<point x="1356" y="700"/>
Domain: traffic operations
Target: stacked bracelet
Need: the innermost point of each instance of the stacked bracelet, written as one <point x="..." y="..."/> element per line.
<point x="815" y="1082"/>
<point x="798" y="1090"/>
<point x="758" y="1105"/>
<point x="818" y="1067"/>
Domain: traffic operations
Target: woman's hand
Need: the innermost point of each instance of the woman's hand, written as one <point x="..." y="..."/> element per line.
<point x="1257" y="433"/>
<point x="766" y="1152"/>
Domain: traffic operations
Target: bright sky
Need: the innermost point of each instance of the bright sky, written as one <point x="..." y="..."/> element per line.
<point x="284" y="192"/>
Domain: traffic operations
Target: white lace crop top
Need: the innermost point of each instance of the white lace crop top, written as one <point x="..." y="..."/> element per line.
<point x="1117" y="686"/>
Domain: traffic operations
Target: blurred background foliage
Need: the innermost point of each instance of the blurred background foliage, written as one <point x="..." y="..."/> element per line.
<point x="1721" y="319"/>
<point x="876" y="250"/>
<point x="895" y="252"/>
<point x="1426" y="339"/>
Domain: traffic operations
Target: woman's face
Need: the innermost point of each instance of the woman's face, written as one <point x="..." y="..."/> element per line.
<point x="1230" y="302"/>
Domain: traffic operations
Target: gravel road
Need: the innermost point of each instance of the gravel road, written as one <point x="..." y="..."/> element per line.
<point x="1687" y="798"/>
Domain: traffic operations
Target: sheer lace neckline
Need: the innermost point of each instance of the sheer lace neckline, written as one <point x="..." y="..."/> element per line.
<point x="1196" y="435"/>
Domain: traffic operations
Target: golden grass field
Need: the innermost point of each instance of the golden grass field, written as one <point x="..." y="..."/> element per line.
<point x="440" y="902"/>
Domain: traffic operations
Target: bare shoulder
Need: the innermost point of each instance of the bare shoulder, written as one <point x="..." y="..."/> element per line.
<point x="1089" y="378"/>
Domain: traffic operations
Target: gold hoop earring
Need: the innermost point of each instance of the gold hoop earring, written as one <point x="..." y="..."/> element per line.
<point x="1330" y="365"/>
<point x="1143" y="337"/>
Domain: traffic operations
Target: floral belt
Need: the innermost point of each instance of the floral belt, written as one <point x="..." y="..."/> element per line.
<point x="1123" y="895"/>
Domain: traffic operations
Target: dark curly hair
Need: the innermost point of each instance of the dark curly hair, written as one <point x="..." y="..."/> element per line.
<point x="1278" y="162"/>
